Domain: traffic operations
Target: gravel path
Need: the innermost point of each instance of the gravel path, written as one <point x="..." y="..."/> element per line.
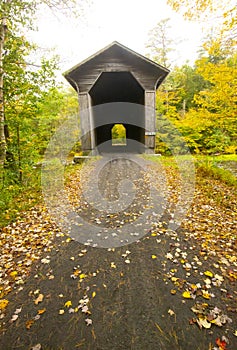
<point x="128" y="294"/>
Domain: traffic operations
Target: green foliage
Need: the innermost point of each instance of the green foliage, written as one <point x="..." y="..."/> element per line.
<point x="16" y="197"/>
<point x="34" y="105"/>
<point x="21" y="186"/>
<point x="118" y="134"/>
<point x="201" y="101"/>
<point x="210" y="167"/>
<point x="206" y="166"/>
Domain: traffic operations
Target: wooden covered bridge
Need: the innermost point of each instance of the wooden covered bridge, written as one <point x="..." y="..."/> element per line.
<point x="113" y="75"/>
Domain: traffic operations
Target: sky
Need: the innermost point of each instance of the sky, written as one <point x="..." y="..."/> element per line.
<point x="104" y="21"/>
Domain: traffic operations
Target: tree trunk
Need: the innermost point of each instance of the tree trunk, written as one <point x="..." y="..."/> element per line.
<point x="19" y="152"/>
<point x="3" y="29"/>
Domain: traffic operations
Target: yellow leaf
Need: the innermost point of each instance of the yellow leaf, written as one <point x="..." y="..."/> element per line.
<point x="153" y="256"/>
<point x="93" y="294"/>
<point x="174" y="279"/>
<point x="193" y="286"/>
<point x="82" y="275"/>
<point x="235" y="333"/>
<point x="29" y="323"/>
<point x="153" y="234"/>
<point x="217" y="321"/>
<point x="187" y="295"/>
<point x="173" y="291"/>
<point x="39" y="299"/>
<point x="13" y="274"/>
<point x="205" y="294"/>
<point x="3" y="304"/>
<point x="68" y="303"/>
<point x="208" y="273"/>
<point x="202" y="322"/>
<point x="41" y="311"/>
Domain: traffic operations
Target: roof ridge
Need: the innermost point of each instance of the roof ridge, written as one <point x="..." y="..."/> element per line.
<point x="108" y="47"/>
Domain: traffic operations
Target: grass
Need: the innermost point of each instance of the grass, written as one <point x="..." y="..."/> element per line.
<point x="18" y="197"/>
<point x="206" y="166"/>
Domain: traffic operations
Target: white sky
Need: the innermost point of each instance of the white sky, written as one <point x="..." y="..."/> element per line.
<point x="126" y="21"/>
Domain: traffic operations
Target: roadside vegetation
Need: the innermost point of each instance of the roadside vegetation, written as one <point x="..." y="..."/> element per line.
<point x="196" y="101"/>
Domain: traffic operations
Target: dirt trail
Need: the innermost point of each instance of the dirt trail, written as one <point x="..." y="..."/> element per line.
<point x="129" y="297"/>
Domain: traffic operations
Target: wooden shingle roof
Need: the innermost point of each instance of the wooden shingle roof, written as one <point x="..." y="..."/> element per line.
<point x="116" y="58"/>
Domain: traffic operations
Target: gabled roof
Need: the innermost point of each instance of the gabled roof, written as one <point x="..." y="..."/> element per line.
<point x="109" y="58"/>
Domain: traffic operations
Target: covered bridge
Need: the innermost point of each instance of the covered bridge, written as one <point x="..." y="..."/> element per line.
<point x="113" y="75"/>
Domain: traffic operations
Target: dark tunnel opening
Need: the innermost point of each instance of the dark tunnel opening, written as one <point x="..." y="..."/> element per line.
<point x="118" y="87"/>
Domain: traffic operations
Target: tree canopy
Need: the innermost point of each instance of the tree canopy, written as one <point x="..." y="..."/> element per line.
<point x="201" y="100"/>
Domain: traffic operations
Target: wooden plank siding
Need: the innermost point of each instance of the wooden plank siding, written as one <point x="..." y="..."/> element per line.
<point x="95" y="86"/>
<point x="117" y="59"/>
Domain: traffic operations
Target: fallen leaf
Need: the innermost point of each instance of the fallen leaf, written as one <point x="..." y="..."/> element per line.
<point x="171" y="312"/>
<point x="192" y="321"/>
<point x="154" y="256"/>
<point x="68" y="303"/>
<point x="93" y="294"/>
<point x="202" y="322"/>
<point x="221" y="343"/>
<point x="187" y="295"/>
<point x="88" y="321"/>
<point x="41" y="311"/>
<point x="3" y="304"/>
<point x="174" y="279"/>
<point x="61" y="312"/>
<point x="112" y="264"/>
<point x="14" y="318"/>
<point x="199" y="308"/>
<point x="13" y="274"/>
<point x="18" y="311"/>
<point x="208" y="273"/>
<point x="39" y="299"/>
<point x="205" y="294"/>
<point x="85" y="309"/>
<point x="45" y="261"/>
<point x="36" y="347"/>
<point x="217" y="321"/>
<point x="169" y="256"/>
<point x="29" y="323"/>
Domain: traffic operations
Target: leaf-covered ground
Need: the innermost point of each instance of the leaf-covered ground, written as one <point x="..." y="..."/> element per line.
<point x="166" y="290"/>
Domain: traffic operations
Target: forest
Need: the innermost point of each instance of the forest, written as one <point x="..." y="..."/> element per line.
<point x="200" y="100"/>
<point x="119" y="251"/>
